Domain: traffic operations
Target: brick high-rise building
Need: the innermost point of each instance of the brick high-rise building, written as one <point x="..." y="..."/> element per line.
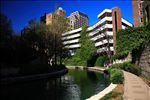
<point x="141" y="10"/>
<point x="49" y="18"/>
<point x="137" y="12"/>
<point x="77" y="19"/>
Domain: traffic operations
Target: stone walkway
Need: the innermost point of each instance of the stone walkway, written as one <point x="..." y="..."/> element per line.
<point x="135" y="88"/>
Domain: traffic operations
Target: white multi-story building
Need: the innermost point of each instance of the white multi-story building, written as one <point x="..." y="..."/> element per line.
<point x="110" y="21"/>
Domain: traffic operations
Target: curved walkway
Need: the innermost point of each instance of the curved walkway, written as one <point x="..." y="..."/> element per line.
<point x="135" y="88"/>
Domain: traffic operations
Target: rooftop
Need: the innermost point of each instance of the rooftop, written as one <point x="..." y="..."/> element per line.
<point x="105" y="10"/>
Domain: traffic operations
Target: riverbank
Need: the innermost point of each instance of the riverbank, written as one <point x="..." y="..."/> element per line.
<point x="33" y="77"/>
<point x="103" y="93"/>
<point x="101" y="69"/>
<point x="96" y="69"/>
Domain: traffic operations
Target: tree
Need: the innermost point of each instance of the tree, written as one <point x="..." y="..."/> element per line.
<point x="5" y="28"/>
<point x="133" y="40"/>
<point x="84" y="54"/>
<point x="59" y="26"/>
<point x="46" y="38"/>
<point x="30" y="32"/>
<point x="14" y="50"/>
<point x="106" y="50"/>
<point x="39" y="37"/>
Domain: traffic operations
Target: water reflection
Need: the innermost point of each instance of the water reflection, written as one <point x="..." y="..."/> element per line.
<point x="76" y="85"/>
<point x="92" y="76"/>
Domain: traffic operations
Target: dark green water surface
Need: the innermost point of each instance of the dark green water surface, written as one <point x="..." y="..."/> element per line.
<point x="76" y="85"/>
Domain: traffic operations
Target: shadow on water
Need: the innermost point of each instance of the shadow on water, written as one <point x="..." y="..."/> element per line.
<point x="92" y="60"/>
<point x="76" y="85"/>
<point x="91" y="75"/>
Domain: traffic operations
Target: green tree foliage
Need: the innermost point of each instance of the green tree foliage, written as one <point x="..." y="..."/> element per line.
<point x="14" y="50"/>
<point x="120" y="55"/>
<point x="127" y="66"/>
<point x="132" y="38"/>
<point x="30" y="51"/>
<point x="84" y="55"/>
<point x="100" y="61"/>
<point x="47" y="38"/>
<point x="116" y="76"/>
<point x="30" y="32"/>
<point x="5" y="29"/>
<point x="59" y="26"/>
<point x="87" y="46"/>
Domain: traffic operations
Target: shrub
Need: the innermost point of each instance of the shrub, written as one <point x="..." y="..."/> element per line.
<point x="127" y="66"/>
<point x="137" y="69"/>
<point x="120" y="55"/>
<point x="117" y="66"/>
<point x="101" y="60"/>
<point x="133" y="68"/>
<point x="116" y="76"/>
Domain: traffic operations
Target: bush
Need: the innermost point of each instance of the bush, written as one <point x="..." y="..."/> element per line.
<point x="101" y="60"/>
<point x="120" y="55"/>
<point x="117" y="66"/>
<point x="116" y="76"/>
<point x="135" y="69"/>
<point x="127" y="66"/>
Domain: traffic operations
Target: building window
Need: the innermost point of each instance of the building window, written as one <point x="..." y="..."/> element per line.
<point x="141" y="19"/>
<point x="141" y="12"/>
<point x="140" y="5"/>
<point x="147" y="14"/>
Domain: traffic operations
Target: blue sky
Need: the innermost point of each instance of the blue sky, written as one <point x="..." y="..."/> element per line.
<point x="20" y="12"/>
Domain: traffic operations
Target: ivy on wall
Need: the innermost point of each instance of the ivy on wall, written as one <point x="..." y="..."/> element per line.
<point x="132" y="39"/>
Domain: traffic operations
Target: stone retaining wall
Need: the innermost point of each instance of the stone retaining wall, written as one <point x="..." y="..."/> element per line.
<point x="145" y="62"/>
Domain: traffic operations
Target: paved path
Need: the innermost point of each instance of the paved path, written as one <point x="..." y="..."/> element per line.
<point x="135" y="88"/>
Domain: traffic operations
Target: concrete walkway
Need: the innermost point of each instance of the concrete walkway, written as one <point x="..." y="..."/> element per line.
<point x="135" y="88"/>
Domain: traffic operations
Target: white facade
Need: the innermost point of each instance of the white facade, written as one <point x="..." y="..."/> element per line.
<point x="98" y="33"/>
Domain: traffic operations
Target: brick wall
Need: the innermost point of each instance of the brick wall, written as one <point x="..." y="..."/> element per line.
<point x="136" y="13"/>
